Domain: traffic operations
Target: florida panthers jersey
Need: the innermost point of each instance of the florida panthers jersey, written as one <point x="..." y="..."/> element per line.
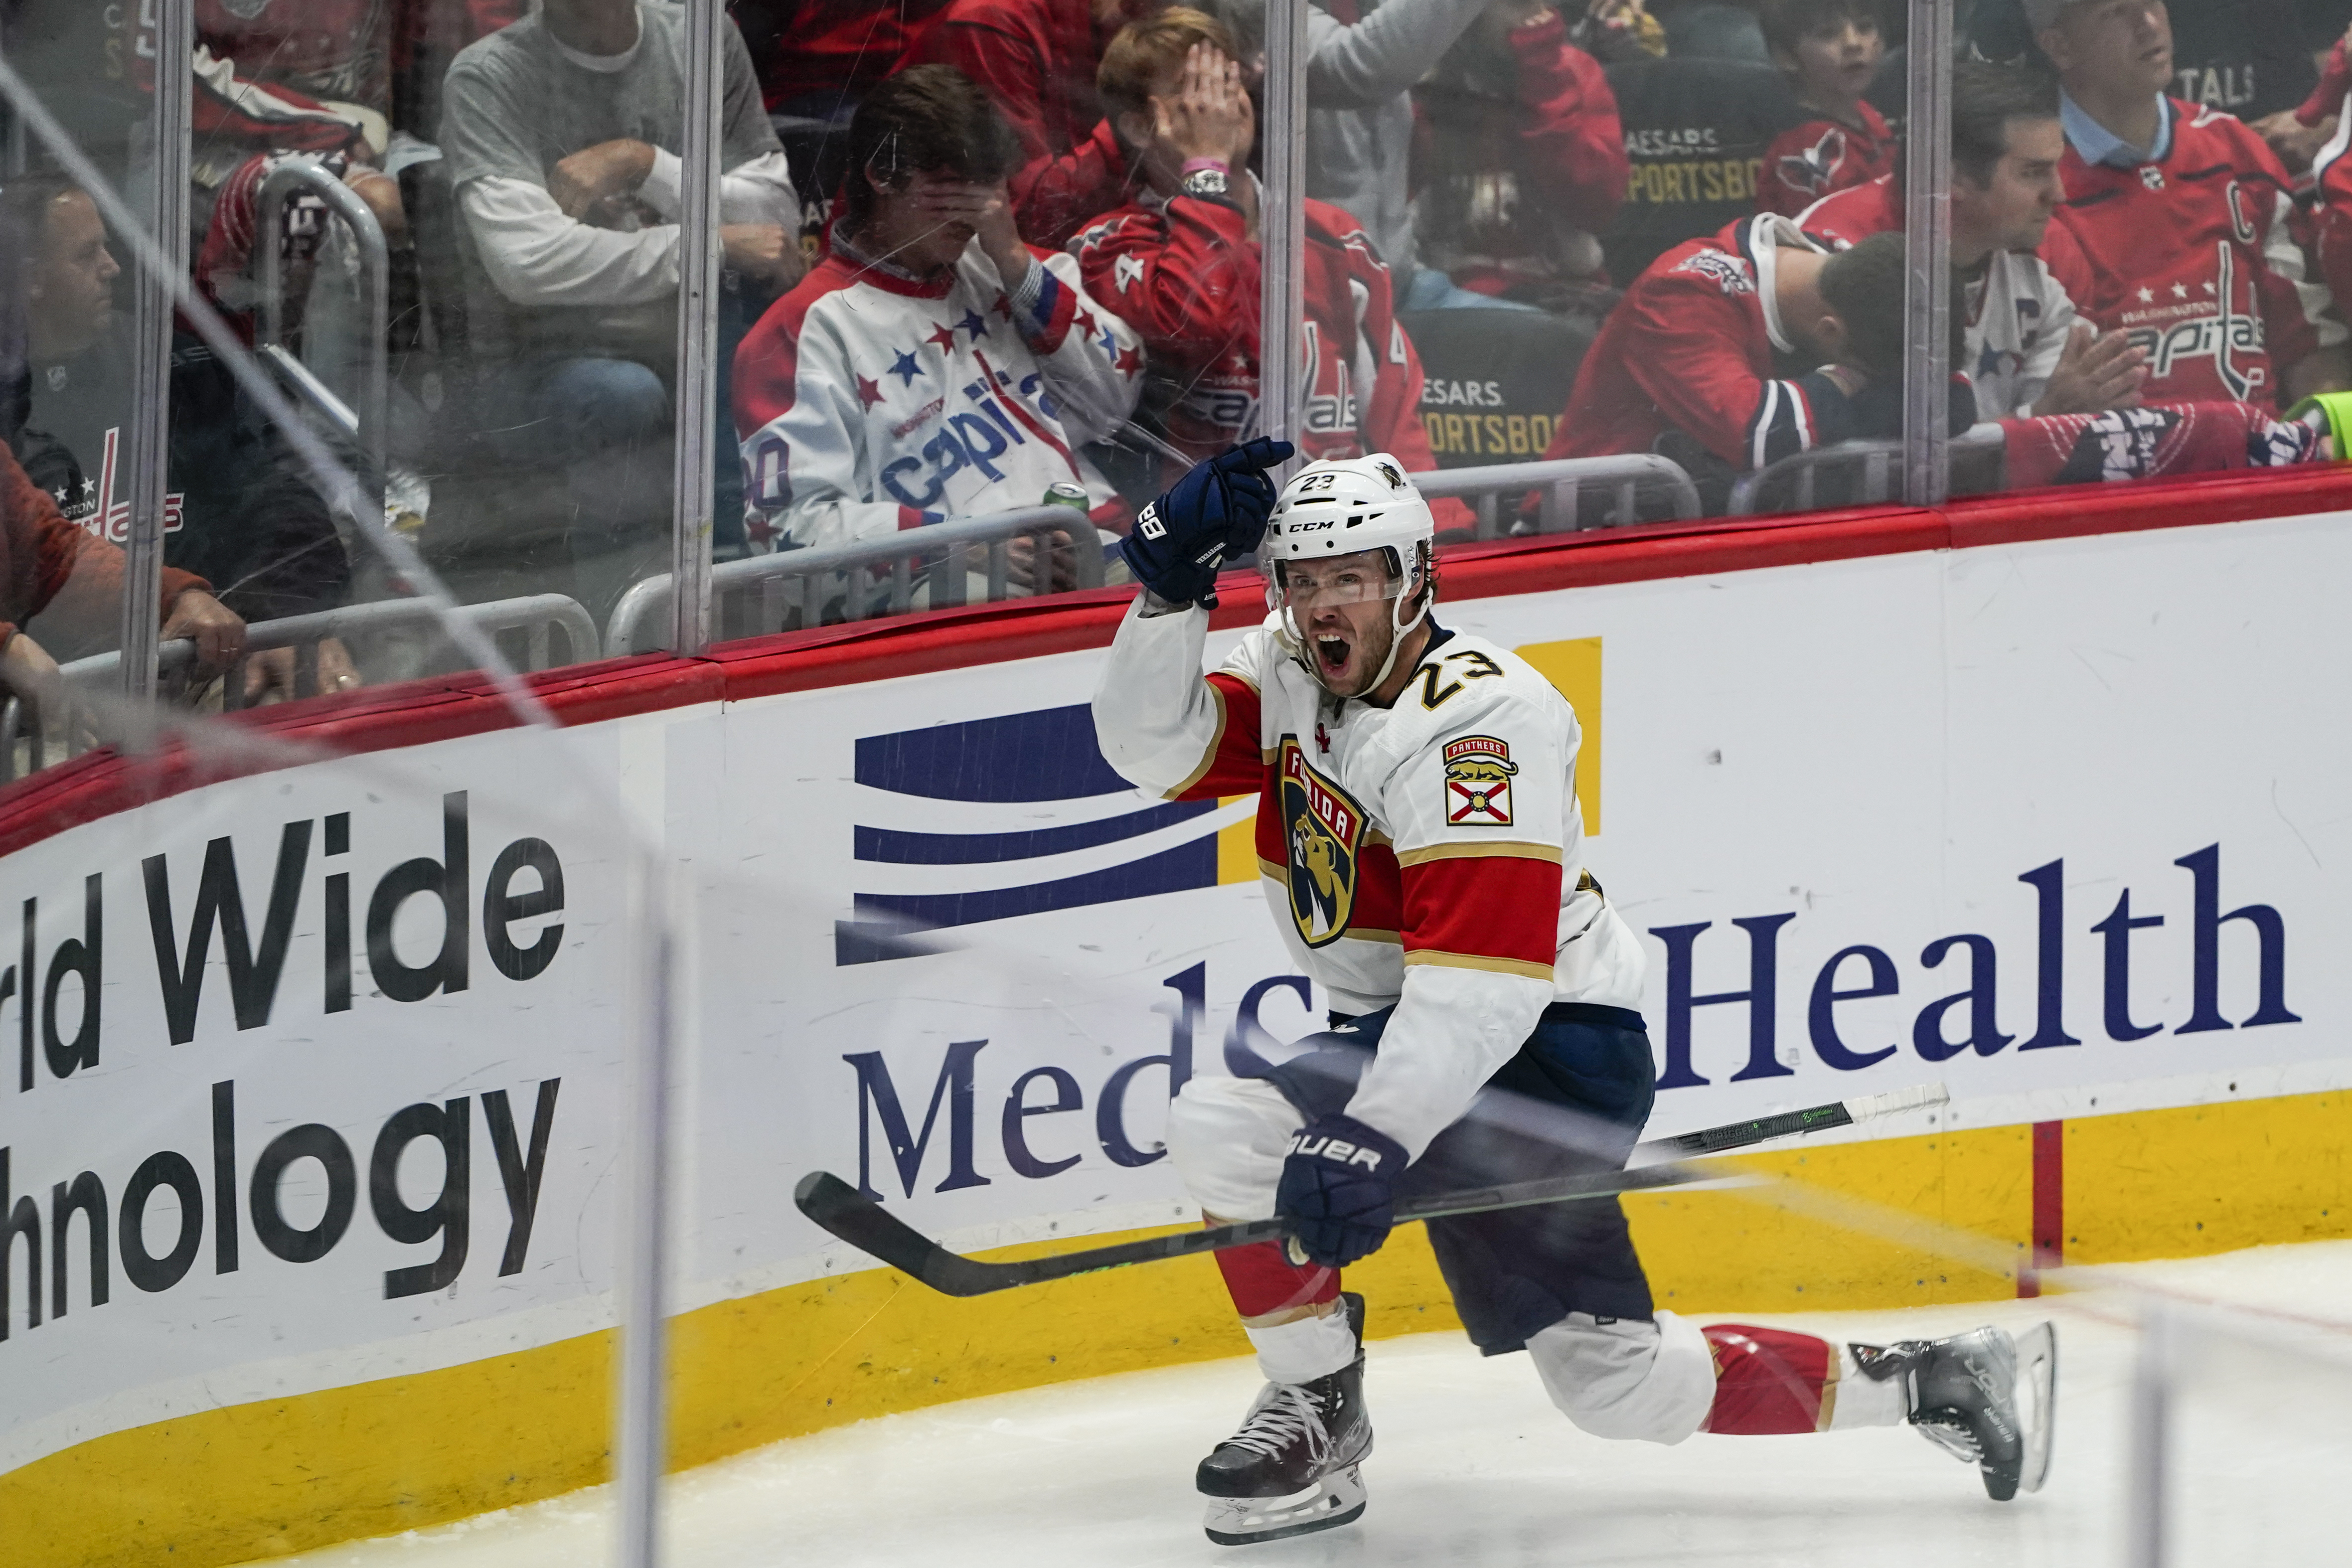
<point x="868" y="402"/>
<point x="2020" y="305"/>
<point x="1822" y="156"/>
<point x="1428" y="853"/>
<point x="2192" y="254"/>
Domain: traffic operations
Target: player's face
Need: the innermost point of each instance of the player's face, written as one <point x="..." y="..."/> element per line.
<point x="72" y="292"/>
<point x="2013" y="211"/>
<point x="1834" y="64"/>
<point x="1344" y="608"/>
<point x="2114" y="45"/>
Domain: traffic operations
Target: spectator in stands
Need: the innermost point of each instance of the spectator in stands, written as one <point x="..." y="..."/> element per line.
<point x="2184" y="217"/>
<point x="240" y="515"/>
<point x="1523" y="164"/>
<point x="932" y="365"/>
<point x="69" y="582"/>
<point x="817" y="58"/>
<point x="1829" y="52"/>
<point x="2027" y="351"/>
<point x="1182" y="265"/>
<point x="2301" y="135"/>
<point x="1038" y="59"/>
<point x="1733" y="353"/>
<point x="1621" y="30"/>
<point x="563" y="133"/>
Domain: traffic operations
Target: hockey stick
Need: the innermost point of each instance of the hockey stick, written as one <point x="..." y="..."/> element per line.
<point x="847" y="1214"/>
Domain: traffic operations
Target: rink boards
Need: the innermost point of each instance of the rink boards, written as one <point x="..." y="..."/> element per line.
<point x="2050" y="819"/>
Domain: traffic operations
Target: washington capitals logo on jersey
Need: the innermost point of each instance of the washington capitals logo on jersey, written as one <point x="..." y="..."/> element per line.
<point x="1729" y="272"/>
<point x="1813" y="170"/>
<point x="1324" y="830"/>
<point x="1478" y="773"/>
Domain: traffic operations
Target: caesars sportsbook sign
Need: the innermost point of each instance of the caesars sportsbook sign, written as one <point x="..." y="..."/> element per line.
<point x="316" y="1078"/>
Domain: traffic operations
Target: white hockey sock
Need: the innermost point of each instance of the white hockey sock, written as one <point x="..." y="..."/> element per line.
<point x="1306" y="1349"/>
<point x="1863" y="1400"/>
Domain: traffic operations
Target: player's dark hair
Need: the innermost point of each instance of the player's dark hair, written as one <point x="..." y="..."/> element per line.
<point x="1788" y="23"/>
<point x="927" y="119"/>
<point x="1864" y="286"/>
<point x="1985" y="98"/>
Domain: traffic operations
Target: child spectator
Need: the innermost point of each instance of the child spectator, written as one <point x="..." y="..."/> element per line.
<point x="2027" y="350"/>
<point x="932" y="365"/>
<point x="1182" y="263"/>
<point x="1828" y="50"/>
<point x="2184" y="215"/>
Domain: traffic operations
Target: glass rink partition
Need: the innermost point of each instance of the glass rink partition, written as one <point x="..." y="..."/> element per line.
<point x="558" y="554"/>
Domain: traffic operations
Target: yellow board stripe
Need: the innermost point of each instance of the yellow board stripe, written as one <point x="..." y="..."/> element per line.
<point x="1510" y="848"/>
<point x="1439" y="956"/>
<point x="279" y="1476"/>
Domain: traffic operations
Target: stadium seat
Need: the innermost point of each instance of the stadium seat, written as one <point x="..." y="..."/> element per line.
<point x="1494" y="382"/>
<point x="1696" y="130"/>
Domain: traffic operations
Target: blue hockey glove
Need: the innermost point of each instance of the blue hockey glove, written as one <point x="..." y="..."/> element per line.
<point x="1339" y="1189"/>
<point x="1216" y="513"/>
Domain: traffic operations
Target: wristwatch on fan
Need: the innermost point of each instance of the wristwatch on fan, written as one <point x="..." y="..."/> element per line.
<point x="1207" y="178"/>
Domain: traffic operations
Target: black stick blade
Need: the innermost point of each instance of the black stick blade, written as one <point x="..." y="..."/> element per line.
<point x="851" y="1215"/>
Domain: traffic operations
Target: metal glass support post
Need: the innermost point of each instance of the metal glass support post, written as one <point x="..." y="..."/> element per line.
<point x="642" y="1435"/>
<point x="2151" y="1420"/>
<point x="697" y="332"/>
<point x="155" y="293"/>
<point x="1927" y="223"/>
<point x="1282" y="223"/>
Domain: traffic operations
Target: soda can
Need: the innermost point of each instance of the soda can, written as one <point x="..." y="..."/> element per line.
<point x="1065" y="493"/>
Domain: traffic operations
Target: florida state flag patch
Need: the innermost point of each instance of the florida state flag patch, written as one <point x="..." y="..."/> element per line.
<point x="1478" y="770"/>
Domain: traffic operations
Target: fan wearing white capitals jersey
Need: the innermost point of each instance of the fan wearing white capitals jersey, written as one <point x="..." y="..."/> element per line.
<point x="932" y="365"/>
<point x="1421" y="848"/>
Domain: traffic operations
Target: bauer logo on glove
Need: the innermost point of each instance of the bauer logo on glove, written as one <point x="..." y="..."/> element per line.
<point x="1214" y="514"/>
<point x="1335" y="1149"/>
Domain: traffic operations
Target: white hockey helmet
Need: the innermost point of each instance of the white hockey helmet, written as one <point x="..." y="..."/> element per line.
<point x="1342" y="507"/>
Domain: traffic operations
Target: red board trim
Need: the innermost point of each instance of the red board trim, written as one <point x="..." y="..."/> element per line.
<point x="2049" y="1207"/>
<point x="415" y="712"/>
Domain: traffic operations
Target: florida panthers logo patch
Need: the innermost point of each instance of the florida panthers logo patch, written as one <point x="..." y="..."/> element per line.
<point x="1324" y="828"/>
<point x="1478" y="771"/>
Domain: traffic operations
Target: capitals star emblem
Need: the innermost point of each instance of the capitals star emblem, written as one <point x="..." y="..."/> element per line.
<point x="1126" y="270"/>
<point x="869" y="392"/>
<point x="905" y="368"/>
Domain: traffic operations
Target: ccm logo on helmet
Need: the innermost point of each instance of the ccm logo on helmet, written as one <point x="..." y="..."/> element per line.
<point x="1334" y="1149"/>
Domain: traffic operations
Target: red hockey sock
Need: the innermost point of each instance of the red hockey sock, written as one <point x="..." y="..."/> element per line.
<point x="1766" y="1379"/>
<point x="1264" y="1281"/>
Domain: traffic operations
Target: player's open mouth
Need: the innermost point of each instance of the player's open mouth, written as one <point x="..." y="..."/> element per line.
<point x="1332" y="653"/>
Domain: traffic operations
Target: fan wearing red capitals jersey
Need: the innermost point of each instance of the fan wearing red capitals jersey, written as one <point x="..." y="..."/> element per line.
<point x="1741" y="350"/>
<point x="1422" y="855"/>
<point x="2028" y="350"/>
<point x="933" y="365"/>
<point x="1182" y="265"/>
<point x="1828" y="50"/>
<point x="2184" y="215"/>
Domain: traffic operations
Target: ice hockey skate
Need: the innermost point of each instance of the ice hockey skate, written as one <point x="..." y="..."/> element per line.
<point x="1982" y="1396"/>
<point x="1291" y="1468"/>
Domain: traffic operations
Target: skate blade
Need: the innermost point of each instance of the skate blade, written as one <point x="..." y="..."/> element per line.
<point x="1337" y="1500"/>
<point x="2037" y="1402"/>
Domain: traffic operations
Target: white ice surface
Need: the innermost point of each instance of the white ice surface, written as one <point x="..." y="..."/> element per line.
<point x="1474" y="1466"/>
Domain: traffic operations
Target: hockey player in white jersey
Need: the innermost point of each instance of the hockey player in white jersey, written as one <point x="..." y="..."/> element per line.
<point x="1420" y="845"/>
